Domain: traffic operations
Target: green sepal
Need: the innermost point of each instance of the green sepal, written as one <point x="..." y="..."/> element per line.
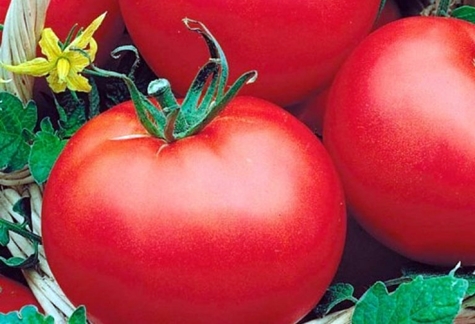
<point x="205" y="99"/>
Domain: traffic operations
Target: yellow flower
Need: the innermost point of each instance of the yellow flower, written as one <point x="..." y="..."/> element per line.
<point x="63" y="65"/>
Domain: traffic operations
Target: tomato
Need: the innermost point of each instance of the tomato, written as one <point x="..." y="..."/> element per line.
<point x="295" y="45"/>
<point x="399" y="127"/>
<point x="243" y="222"/>
<point x="312" y="110"/>
<point x="14" y="295"/>
<point x="63" y="14"/>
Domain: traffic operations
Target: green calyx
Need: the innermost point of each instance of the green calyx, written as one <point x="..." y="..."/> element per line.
<point x="205" y="99"/>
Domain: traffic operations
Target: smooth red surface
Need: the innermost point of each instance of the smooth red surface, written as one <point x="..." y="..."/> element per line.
<point x="295" y="45"/>
<point x="14" y="295"/>
<point x="242" y="223"/>
<point x="400" y="129"/>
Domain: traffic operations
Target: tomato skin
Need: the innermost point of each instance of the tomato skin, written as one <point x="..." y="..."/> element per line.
<point x="242" y="223"/>
<point x="63" y="14"/>
<point x="295" y="45"/>
<point x="14" y="295"/>
<point x="399" y="127"/>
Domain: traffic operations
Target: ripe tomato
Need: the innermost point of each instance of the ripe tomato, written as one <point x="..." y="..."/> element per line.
<point x="63" y="14"/>
<point x="14" y="295"/>
<point x="295" y="45"/>
<point x="243" y="222"/>
<point x="399" y="126"/>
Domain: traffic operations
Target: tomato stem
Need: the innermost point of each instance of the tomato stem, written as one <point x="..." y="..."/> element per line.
<point x="161" y="90"/>
<point x="205" y="99"/>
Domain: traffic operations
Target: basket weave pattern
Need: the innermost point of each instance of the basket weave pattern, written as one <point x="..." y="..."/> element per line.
<point x="22" y="28"/>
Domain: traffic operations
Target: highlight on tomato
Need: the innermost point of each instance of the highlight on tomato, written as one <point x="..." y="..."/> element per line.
<point x="296" y="45"/>
<point x="215" y="208"/>
<point x="399" y="128"/>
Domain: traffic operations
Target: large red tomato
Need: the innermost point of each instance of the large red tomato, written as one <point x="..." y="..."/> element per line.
<point x="13" y="296"/>
<point x="63" y="14"/>
<point x="243" y="222"/>
<point x="295" y="45"/>
<point x="400" y="129"/>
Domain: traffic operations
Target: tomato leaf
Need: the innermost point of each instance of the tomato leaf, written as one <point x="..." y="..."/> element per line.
<point x="79" y="316"/>
<point x="465" y="13"/>
<point x="94" y="100"/>
<point x="45" y="151"/>
<point x="28" y="314"/>
<point x="15" y="119"/>
<point x="335" y="295"/>
<point x="71" y="112"/>
<point x="423" y="300"/>
<point x="414" y="269"/>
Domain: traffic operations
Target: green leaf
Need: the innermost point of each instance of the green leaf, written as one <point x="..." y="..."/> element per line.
<point x="72" y="113"/>
<point x="335" y="295"/>
<point x="423" y="300"/>
<point x="466" y="13"/>
<point x="94" y="100"/>
<point x="28" y="314"/>
<point x="414" y="269"/>
<point x="15" y="118"/>
<point x="79" y="316"/>
<point x="45" y="151"/>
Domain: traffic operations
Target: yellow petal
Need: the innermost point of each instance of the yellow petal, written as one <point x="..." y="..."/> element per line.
<point x="85" y="38"/>
<point x="92" y="49"/>
<point x="36" y="67"/>
<point x="54" y="83"/>
<point x="49" y="44"/>
<point x="78" y="59"/>
<point x="77" y="82"/>
<point x="63" y="67"/>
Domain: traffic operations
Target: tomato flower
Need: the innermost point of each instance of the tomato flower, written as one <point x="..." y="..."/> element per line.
<point x="63" y="63"/>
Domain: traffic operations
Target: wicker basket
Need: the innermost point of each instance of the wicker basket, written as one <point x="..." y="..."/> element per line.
<point x="23" y="25"/>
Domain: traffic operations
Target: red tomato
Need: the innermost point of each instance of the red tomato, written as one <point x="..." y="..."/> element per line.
<point x="14" y="295"/>
<point x="243" y="222"/>
<point x="400" y="128"/>
<point x="295" y="45"/>
<point x="63" y="14"/>
<point x="312" y="110"/>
